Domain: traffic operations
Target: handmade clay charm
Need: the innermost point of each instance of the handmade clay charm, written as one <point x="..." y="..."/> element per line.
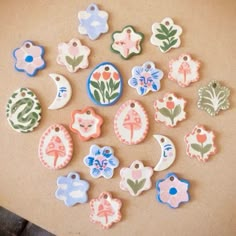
<point x="86" y="123"/>
<point x="172" y="191"/>
<point x="105" y="210"/>
<point x="168" y="152"/>
<point x="93" y="22"/>
<point x="71" y="189"/>
<point x="105" y="84"/>
<point x="213" y="98"/>
<point x="29" y="58"/>
<point x="170" y="110"/>
<point x="136" y="178"/>
<point x="131" y="123"/>
<point x="63" y="94"/>
<point x="145" y="78"/>
<point x="23" y="110"/>
<point x="101" y="161"/>
<point x="184" y="70"/>
<point x="200" y="143"/>
<point x="55" y="147"/>
<point x="73" y="55"/>
<point x="127" y="42"/>
<point x="166" y="35"/>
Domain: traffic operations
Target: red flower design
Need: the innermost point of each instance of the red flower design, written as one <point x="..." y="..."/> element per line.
<point x="106" y="75"/>
<point x="201" y="138"/>
<point x="170" y="105"/>
<point x="116" y="76"/>
<point x="96" y="75"/>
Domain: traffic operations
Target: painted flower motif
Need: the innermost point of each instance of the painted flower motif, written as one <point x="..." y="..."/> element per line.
<point x="172" y="191"/>
<point x="101" y="161"/>
<point x="71" y="189"/>
<point x="73" y="55"/>
<point x="170" y="110"/>
<point x="136" y="178"/>
<point x="184" y="70"/>
<point x="93" y="22"/>
<point x="29" y="58"/>
<point x="145" y="78"/>
<point x="127" y="42"/>
<point x="105" y="210"/>
<point x="200" y="143"/>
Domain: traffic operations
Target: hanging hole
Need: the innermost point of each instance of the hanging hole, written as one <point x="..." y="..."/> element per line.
<point x="132" y="105"/>
<point x="107" y="68"/>
<point x="74" y="44"/>
<point x="105" y="196"/>
<point x="27" y="45"/>
<point x="23" y="94"/>
<point x="199" y="131"/>
<point x="136" y="166"/>
<point x="170" y="98"/>
<point x="172" y="178"/>
<point x="185" y="58"/>
<point x="73" y="176"/>
<point x="148" y="66"/>
<point x="57" y="78"/>
<point x="167" y="23"/>
<point x="107" y="151"/>
<point x="88" y="112"/>
<point x="92" y="8"/>
<point x="128" y="31"/>
<point x="57" y="129"/>
<point x="162" y="140"/>
<point x="214" y="85"/>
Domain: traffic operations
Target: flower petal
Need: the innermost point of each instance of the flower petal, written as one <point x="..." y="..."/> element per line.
<point x="108" y="172"/>
<point x="133" y="82"/>
<point x="89" y="160"/>
<point x="113" y="161"/>
<point x="38" y="61"/>
<point x="164" y="196"/>
<point x="142" y="90"/>
<point x="30" y="69"/>
<point x="107" y="152"/>
<point x="95" y="150"/>
<point x="174" y="201"/>
<point x="21" y="64"/>
<point x="95" y="172"/>
<point x="155" y="86"/>
<point x="19" y="54"/>
<point x="34" y="51"/>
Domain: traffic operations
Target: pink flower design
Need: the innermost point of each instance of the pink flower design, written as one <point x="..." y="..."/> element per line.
<point x="136" y="174"/>
<point x="172" y="191"/>
<point x="29" y="58"/>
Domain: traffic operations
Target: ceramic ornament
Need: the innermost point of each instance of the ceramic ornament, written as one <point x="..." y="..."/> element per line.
<point x="166" y="35"/>
<point x="29" y="58"/>
<point x="170" y="110"/>
<point x="136" y="178"/>
<point x="55" y="147"/>
<point x="146" y="78"/>
<point x="101" y="161"/>
<point x="63" y="94"/>
<point x="86" y="123"/>
<point x="200" y="143"/>
<point x="73" y="55"/>
<point x="131" y="123"/>
<point x="213" y="98"/>
<point x="105" y="210"/>
<point x="71" y="189"/>
<point x="172" y="191"/>
<point x="127" y="42"/>
<point x="105" y="84"/>
<point x="184" y="70"/>
<point x="93" y="22"/>
<point x="23" y="110"/>
<point x="168" y="152"/>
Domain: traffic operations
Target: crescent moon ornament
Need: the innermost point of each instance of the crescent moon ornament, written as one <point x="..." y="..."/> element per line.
<point x="168" y="152"/>
<point x="64" y="92"/>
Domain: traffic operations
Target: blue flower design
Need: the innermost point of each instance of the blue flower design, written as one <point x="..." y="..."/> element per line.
<point x="146" y="78"/>
<point x="93" y="22"/>
<point x="101" y="161"/>
<point x="71" y="189"/>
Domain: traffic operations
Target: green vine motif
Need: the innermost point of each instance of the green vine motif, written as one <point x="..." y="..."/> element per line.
<point x="105" y="91"/>
<point x="167" y="36"/>
<point x="171" y="113"/>
<point x="136" y="185"/>
<point x="75" y="61"/>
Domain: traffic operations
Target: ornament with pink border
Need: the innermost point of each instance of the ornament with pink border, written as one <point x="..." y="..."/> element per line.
<point x="73" y="55"/>
<point x="172" y="191"/>
<point x="200" y="143"/>
<point x="170" y="109"/>
<point x="184" y="70"/>
<point x="131" y="123"/>
<point x="55" y="147"/>
<point x="29" y="58"/>
<point x="105" y="210"/>
<point x="86" y="123"/>
<point x="136" y="178"/>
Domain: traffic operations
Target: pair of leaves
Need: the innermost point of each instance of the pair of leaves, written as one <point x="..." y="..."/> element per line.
<point x="166" y="112"/>
<point x="74" y="61"/>
<point x="165" y="33"/>
<point x="199" y="148"/>
<point x="136" y="186"/>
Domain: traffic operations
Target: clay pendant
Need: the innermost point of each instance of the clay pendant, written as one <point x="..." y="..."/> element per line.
<point x="131" y="123"/>
<point x="55" y="147"/>
<point x="23" y="110"/>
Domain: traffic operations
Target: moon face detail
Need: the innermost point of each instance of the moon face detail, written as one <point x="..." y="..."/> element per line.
<point x="168" y="152"/>
<point x="64" y="92"/>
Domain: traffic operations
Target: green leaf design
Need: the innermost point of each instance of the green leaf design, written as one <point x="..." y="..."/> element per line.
<point x="111" y="84"/>
<point x="160" y="31"/>
<point x="177" y="111"/>
<point x="14" y="95"/>
<point x="69" y="60"/>
<point x="116" y="86"/>
<point x="114" y="95"/>
<point x="207" y="148"/>
<point x="30" y="93"/>
<point x="161" y="36"/>
<point x="164" y="29"/>
<point x="165" y="112"/>
<point x="196" y="147"/>
<point x="107" y="96"/>
<point x="172" y="33"/>
<point x="96" y="95"/>
<point x="136" y="186"/>
<point x="78" y="60"/>
<point x="102" y="85"/>
<point x="94" y="84"/>
<point x="173" y="42"/>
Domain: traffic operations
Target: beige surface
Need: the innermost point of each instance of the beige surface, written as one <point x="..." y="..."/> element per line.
<point x="28" y="188"/>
